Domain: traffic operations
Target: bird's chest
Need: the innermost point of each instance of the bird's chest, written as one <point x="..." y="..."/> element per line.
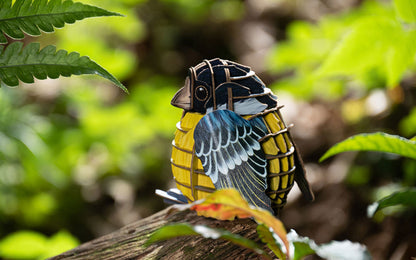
<point x="276" y="144"/>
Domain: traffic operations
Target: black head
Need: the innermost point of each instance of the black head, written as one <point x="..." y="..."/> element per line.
<point x="220" y="84"/>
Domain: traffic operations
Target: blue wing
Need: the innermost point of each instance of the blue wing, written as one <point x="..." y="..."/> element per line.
<point x="231" y="156"/>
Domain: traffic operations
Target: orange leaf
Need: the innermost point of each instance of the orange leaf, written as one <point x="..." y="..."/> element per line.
<point x="227" y="204"/>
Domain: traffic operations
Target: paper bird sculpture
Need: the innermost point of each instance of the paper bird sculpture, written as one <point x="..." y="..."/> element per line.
<point x="232" y="135"/>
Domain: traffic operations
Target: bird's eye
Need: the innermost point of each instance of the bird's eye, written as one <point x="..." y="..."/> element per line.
<point x="201" y="93"/>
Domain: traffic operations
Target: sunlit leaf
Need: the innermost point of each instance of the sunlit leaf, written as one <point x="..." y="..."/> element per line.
<point x="59" y="243"/>
<point x="379" y="142"/>
<point x="363" y="48"/>
<point x="23" y="245"/>
<point x="184" y="229"/>
<point x="302" y="246"/>
<point x="26" y="63"/>
<point x="407" y="125"/>
<point x="227" y="204"/>
<point x="399" y="57"/>
<point x="38" y="207"/>
<point x="267" y="237"/>
<point x="32" y="16"/>
<point x="31" y="245"/>
<point x="406" y="9"/>
<point x="335" y="250"/>
<point x="311" y="45"/>
<point x="405" y="197"/>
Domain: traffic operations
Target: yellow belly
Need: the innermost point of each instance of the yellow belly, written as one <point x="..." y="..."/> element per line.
<point x="189" y="174"/>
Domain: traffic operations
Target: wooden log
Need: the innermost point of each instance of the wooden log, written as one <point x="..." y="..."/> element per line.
<point x="128" y="242"/>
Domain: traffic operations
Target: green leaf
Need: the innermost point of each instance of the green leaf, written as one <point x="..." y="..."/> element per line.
<point x="379" y="142"/>
<point x="33" y="243"/>
<point x="338" y="250"/>
<point x="267" y="237"/>
<point x="302" y="246"/>
<point x="24" y="64"/>
<point x="32" y="16"/>
<point x="363" y="48"/>
<point x="406" y="198"/>
<point x="59" y="243"/>
<point x="406" y="9"/>
<point x="400" y="56"/>
<point x="184" y="229"/>
<point x="407" y="125"/>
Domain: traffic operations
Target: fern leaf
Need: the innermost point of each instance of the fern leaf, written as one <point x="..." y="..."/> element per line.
<point x="34" y="16"/>
<point x="26" y="63"/>
<point x="378" y="142"/>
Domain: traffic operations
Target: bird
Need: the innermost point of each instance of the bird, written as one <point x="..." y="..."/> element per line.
<point x="232" y="135"/>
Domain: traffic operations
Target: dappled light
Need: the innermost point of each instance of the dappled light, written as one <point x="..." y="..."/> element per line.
<point x="80" y="158"/>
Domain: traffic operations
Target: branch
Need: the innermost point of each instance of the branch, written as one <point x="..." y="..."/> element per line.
<point x="127" y="242"/>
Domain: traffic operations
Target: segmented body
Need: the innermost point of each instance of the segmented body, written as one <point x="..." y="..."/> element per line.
<point x="277" y="145"/>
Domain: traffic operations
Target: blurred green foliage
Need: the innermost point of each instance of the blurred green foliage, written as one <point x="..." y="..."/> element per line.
<point x="408" y="124"/>
<point x="367" y="48"/>
<point x="59" y="143"/>
<point x="366" y="58"/>
<point x="33" y="245"/>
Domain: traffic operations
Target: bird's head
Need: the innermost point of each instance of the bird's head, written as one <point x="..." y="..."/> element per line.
<point x="221" y="84"/>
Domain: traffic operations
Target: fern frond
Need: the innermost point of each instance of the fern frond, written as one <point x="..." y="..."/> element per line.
<point x="32" y="16"/>
<point x="26" y="63"/>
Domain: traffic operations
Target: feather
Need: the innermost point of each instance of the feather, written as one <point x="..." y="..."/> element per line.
<point x="236" y="159"/>
<point x="249" y="106"/>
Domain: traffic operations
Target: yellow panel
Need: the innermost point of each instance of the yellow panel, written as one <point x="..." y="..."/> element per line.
<point x="269" y="147"/>
<point x="178" y="135"/>
<point x="274" y="185"/>
<point x="288" y="141"/>
<point x="181" y="158"/>
<point x="181" y="175"/>
<point x="187" y="142"/>
<point x="281" y="143"/>
<point x="198" y="165"/>
<point x="182" y="179"/>
<point x="285" y="167"/>
<point x="274" y="166"/>
<point x="279" y="120"/>
<point x="285" y="164"/>
<point x="174" y="152"/>
<point x="201" y="194"/>
<point x="292" y="164"/>
<point x="190" y="120"/>
<point x="184" y="140"/>
<point x="185" y="191"/>
<point x="284" y="181"/>
<point x="204" y="181"/>
<point x="272" y="123"/>
<point x="291" y="161"/>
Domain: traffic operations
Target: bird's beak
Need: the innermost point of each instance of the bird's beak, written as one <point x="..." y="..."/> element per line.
<point x="182" y="98"/>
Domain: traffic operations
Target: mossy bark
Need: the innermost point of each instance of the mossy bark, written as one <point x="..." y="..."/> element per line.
<point x="128" y="242"/>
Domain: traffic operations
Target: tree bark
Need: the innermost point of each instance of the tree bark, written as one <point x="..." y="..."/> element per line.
<point x="128" y="242"/>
